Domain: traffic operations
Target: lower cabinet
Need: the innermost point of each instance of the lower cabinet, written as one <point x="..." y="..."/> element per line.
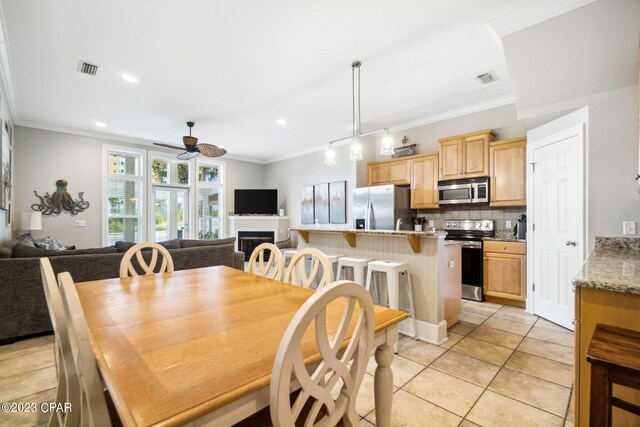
<point x="505" y="272"/>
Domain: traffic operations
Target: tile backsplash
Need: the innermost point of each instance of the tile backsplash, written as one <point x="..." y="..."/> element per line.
<point x="499" y="215"/>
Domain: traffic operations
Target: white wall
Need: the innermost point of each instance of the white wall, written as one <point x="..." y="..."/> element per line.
<point x="289" y="176"/>
<point x="41" y="157"/>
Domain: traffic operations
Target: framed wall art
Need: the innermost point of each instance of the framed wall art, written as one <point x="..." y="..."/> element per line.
<point x="321" y="202"/>
<point x="306" y="203"/>
<point x="338" y="202"/>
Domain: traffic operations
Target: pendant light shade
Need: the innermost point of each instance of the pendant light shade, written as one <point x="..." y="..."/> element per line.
<point x="330" y="156"/>
<point x="386" y="145"/>
<point x="356" y="150"/>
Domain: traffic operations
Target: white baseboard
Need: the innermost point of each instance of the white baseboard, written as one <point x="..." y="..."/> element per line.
<point x="429" y="332"/>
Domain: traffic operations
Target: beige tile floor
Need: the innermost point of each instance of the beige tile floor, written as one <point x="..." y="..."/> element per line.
<point x="500" y="367"/>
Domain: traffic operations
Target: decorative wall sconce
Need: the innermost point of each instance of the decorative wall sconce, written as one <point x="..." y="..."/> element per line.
<point x="59" y="200"/>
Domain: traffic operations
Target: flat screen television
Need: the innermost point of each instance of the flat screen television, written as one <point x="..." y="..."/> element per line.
<point x="256" y="202"/>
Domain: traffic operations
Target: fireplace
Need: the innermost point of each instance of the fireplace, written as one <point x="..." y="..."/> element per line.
<point x="249" y="240"/>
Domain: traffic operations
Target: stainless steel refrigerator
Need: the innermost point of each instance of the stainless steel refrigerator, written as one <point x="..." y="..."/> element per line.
<point x="383" y="207"/>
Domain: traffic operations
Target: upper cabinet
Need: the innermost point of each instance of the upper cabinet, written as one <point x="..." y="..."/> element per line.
<point x="424" y="181"/>
<point x="397" y="172"/>
<point x="465" y="156"/>
<point x="508" y="179"/>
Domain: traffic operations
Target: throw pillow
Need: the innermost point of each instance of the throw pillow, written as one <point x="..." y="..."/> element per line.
<point x="123" y="246"/>
<point x="6" y="248"/>
<point x="50" y="243"/>
<point x="27" y="240"/>
<point x="193" y="243"/>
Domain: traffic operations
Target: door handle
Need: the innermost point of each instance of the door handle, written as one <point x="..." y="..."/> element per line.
<point x="570" y="243"/>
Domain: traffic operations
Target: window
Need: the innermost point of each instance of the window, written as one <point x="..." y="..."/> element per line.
<point x="210" y="195"/>
<point x="170" y="195"/>
<point x="123" y="203"/>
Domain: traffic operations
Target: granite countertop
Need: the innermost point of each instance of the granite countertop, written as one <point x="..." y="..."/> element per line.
<point x="614" y="265"/>
<point x="505" y="239"/>
<point x="434" y="233"/>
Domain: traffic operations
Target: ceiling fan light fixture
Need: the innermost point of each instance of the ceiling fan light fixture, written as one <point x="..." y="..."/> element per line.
<point x="187" y="155"/>
<point x="386" y="145"/>
<point x="192" y="148"/>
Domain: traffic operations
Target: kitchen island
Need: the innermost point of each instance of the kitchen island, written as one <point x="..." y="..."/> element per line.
<point x="607" y="291"/>
<point x="434" y="266"/>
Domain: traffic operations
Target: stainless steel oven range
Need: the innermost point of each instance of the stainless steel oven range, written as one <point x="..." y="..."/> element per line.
<point x="470" y="232"/>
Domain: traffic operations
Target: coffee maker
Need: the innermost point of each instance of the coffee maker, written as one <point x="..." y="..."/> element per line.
<point x="520" y="230"/>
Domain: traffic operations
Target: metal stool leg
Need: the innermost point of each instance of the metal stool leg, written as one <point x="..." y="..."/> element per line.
<point x="411" y="304"/>
<point x="358" y="275"/>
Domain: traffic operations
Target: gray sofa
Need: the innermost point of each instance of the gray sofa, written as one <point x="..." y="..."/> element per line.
<point x="23" y="308"/>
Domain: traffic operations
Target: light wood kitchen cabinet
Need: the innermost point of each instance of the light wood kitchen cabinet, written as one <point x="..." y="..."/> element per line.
<point x="424" y="181"/>
<point x="397" y="172"/>
<point x="465" y="156"/>
<point x="508" y="167"/>
<point x="505" y="272"/>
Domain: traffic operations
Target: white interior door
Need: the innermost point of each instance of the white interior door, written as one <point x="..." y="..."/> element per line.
<point x="556" y="208"/>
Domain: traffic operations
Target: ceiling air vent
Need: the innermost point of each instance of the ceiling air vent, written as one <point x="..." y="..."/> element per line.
<point x="87" y="68"/>
<point x="487" y="78"/>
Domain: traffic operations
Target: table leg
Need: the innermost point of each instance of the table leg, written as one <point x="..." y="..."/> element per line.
<point x="383" y="379"/>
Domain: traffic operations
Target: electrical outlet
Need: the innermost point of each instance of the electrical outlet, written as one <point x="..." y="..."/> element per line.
<point x="431" y="223"/>
<point x="507" y="224"/>
<point x="629" y="228"/>
<point x="451" y="264"/>
<point x="81" y="223"/>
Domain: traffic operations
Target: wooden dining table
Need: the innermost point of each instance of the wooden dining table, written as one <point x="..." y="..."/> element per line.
<point x="196" y="347"/>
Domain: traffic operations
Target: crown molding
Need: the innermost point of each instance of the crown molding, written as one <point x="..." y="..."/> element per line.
<point x="532" y="14"/>
<point x="459" y="112"/>
<point x="114" y="138"/>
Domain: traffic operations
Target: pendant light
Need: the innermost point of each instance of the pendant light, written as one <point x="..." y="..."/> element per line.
<point x="356" y="152"/>
<point x="386" y="145"/>
<point x="356" y="147"/>
<point x="330" y="156"/>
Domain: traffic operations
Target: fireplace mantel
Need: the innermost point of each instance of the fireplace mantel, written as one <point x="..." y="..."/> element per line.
<point x="279" y="225"/>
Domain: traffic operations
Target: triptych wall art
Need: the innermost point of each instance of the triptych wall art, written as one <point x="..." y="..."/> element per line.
<point x="325" y="203"/>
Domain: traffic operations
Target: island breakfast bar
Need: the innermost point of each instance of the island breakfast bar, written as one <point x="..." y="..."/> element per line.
<point x="434" y="265"/>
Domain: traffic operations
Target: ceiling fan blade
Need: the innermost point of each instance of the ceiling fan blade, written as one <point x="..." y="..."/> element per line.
<point x="187" y="155"/>
<point x="211" y="150"/>
<point x="174" y="147"/>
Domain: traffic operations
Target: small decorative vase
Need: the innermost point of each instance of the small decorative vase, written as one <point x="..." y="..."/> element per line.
<point x="418" y="227"/>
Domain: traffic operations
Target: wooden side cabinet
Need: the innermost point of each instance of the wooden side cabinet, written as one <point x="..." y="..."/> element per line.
<point x="508" y="167"/>
<point x="397" y="172"/>
<point x="505" y="272"/>
<point x="424" y="181"/>
<point x="465" y="156"/>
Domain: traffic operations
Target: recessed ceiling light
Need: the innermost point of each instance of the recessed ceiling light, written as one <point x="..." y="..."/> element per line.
<point x="281" y="122"/>
<point x="130" y="78"/>
<point x="101" y="124"/>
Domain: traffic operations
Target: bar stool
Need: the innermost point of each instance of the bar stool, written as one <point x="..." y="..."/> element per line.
<point x="393" y="270"/>
<point x="357" y="264"/>
<point x="614" y="354"/>
<point x="288" y="254"/>
<point x="335" y="261"/>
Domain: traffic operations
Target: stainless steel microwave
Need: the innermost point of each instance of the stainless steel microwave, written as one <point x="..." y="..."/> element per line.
<point x="460" y="191"/>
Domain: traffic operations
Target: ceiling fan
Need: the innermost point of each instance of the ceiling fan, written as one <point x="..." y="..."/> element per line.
<point x="192" y="148"/>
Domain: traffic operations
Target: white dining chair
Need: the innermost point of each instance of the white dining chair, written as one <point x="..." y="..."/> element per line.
<point x="273" y="267"/>
<point x="128" y="269"/>
<point x="93" y="405"/>
<point x="303" y="273"/>
<point x="339" y="366"/>
<point x="68" y="382"/>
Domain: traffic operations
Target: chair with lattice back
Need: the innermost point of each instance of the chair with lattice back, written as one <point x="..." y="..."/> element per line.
<point x="128" y="269"/>
<point x="272" y="267"/>
<point x="305" y="267"/>
<point x="93" y="408"/>
<point x="341" y="366"/>
<point x="68" y="383"/>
